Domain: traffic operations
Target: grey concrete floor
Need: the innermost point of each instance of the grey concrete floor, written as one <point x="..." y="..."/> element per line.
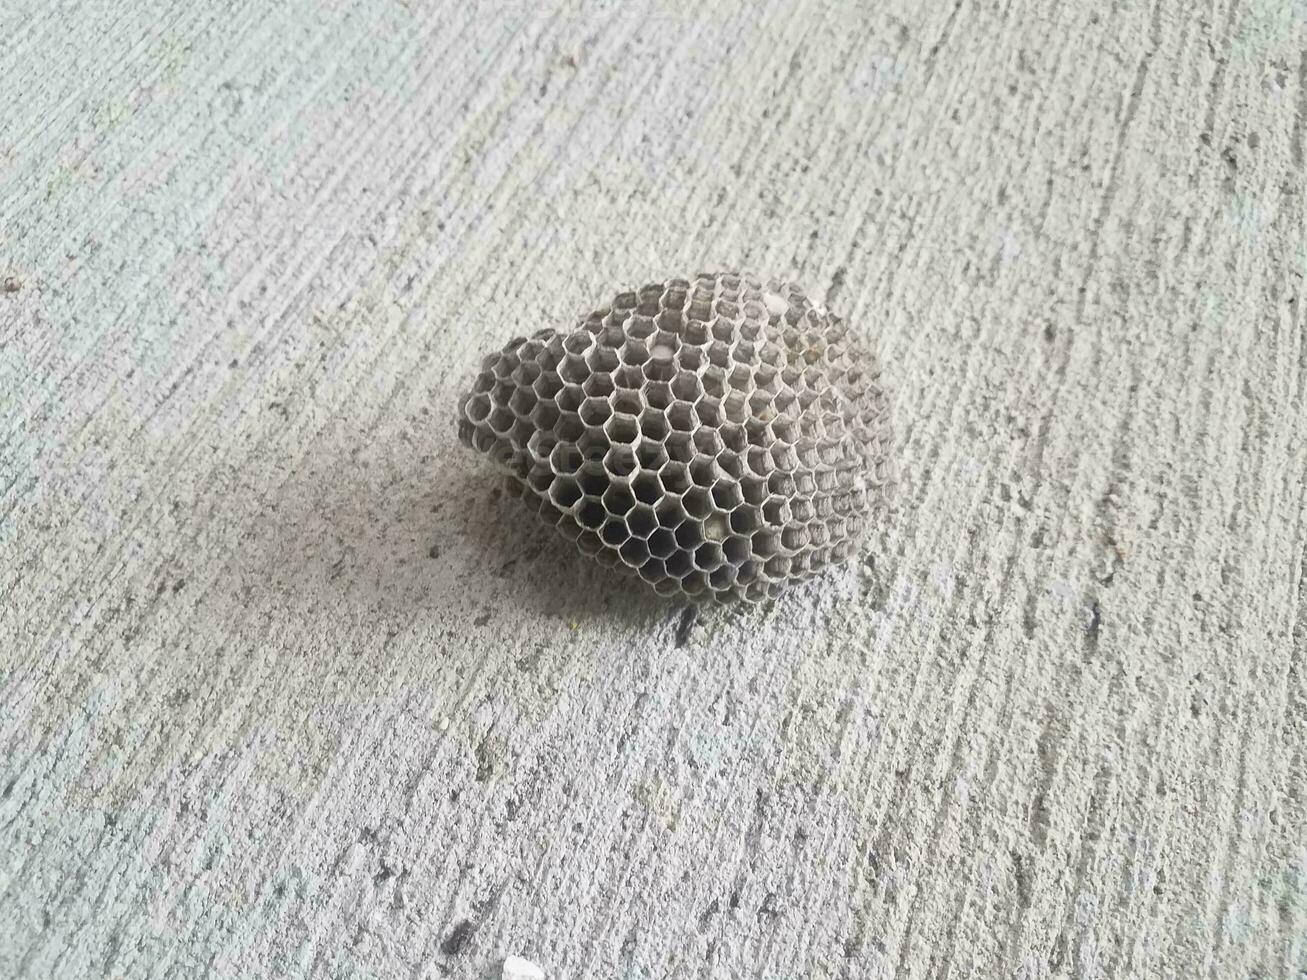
<point x="289" y="689"/>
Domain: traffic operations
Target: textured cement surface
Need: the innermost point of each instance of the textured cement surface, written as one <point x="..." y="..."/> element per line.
<point x="289" y="690"/>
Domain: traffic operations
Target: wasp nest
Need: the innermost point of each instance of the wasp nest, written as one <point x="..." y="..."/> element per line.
<point x="717" y="437"/>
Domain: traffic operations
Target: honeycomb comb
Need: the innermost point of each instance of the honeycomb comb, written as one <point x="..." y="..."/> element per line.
<point x="717" y="437"/>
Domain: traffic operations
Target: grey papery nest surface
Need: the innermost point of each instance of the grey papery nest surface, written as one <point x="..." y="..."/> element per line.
<point x="718" y="437"/>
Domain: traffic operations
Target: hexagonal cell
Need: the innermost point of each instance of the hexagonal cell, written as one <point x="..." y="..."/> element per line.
<point x="573" y="369"/>
<point x="564" y="492"/>
<point x="544" y="416"/>
<point x="662" y="543"/>
<point x="707" y="441"/>
<point x="680" y="447"/>
<point x="735" y="407"/>
<point x="660" y="366"/>
<point x="667" y="587"/>
<point x="633" y="352"/>
<point x="723" y="329"/>
<point x="539" y="480"/>
<point x="730" y="464"/>
<point x="620" y="461"/>
<point x="484" y="382"/>
<point x="592" y="445"/>
<point x="589" y="543"/>
<point x="589" y="513"/>
<point x="815" y="378"/>
<point x="602" y="359"/>
<point x="653" y="570"/>
<point x="716" y="527"/>
<point x="613" y="335"/>
<point x="694" y="584"/>
<point x="782" y="484"/>
<point x="592" y="478"/>
<point x="776" y="510"/>
<point x="708" y="556"/>
<point x="598" y="385"/>
<point x="657" y="394"/>
<point x="689" y="536"/>
<point x="622" y="430"/>
<point x="549" y="357"/>
<point x="674" y="477"/>
<point x="690" y="360"/>
<point x="501" y="420"/>
<point x="565" y="458"/>
<point x="540" y="445"/>
<point x="617" y="500"/>
<point x="653" y="424"/>
<point x="745" y="520"/>
<point x="578" y="343"/>
<point x="667" y="337"/>
<point x="641" y="326"/>
<point x="569" y="397"/>
<point x="629" y="378"/>
<point x="736" y="549"/>
<point x="744" y="350"/>
<point x="614" y="533"/>
<point x="714" y="380"/>
<point x="764" y="544"/>
<point x="696" y="328"/>
<point x="719" y="355"/>
<point x="722" y="577"/>
<point x="650" y="454"/>
<point x="627" y="402"/>
<point x="794" y="538"/>
<point x="681" y="416"/>
<point x="784" y="457"/>
<point x="759" y="462"/>
<point x="522" y="402"/>
<point x="520" y="432"/>
<point x="686" y="387"/>
<point x="483" y="440"/>
<point x="697" y="502"/>
<point x="727" y="495"/>
<point x="595" y="411"/>
<point x="740" y="378"/>
<point x="709" y="411"/>
<point x="569" y="427"/>
<point x="635" y="552"/>
<point x="767" y="379"/>
<point x="647" y="488"/>
<point x="476" y="409"/>
<point x="641" y="520"/>
<point x="703" y="471"/>
<point x="802" y="509"/>
<point x="670" y="512"/>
